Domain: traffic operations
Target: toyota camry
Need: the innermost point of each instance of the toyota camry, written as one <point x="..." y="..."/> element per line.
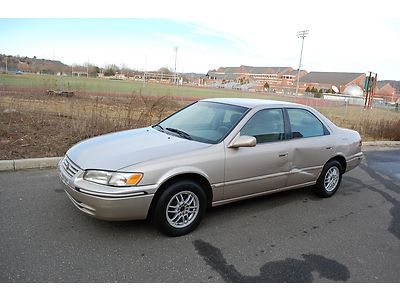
<point x="211" y="152"/>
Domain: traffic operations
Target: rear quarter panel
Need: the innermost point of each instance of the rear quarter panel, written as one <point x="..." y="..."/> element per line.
<point x="349" y="146"/>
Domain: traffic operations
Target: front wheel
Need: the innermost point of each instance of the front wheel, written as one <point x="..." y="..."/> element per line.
<point x="329" y="180"/>
<point x="180" y="208"/>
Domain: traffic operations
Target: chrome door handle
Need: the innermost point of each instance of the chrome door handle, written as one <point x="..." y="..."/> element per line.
<point x="283" y="154"/>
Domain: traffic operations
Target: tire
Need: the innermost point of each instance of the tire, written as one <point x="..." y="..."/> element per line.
<point x="172" y="215"/>
<point x="329" y="180"/>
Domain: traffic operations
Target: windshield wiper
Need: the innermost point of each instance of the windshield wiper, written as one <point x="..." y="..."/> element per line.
<point x="159" y="126"/>
<point x="180" y="132"/>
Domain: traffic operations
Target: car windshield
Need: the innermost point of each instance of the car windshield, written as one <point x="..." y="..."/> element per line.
<point x="207" y="122"/>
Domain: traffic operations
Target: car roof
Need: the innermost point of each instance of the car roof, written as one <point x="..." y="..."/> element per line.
<point x="251" y="103"/>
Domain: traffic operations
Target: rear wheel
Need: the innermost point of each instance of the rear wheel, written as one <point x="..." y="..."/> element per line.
<point x="180" y="208"/>
<point x="329" y="180"/>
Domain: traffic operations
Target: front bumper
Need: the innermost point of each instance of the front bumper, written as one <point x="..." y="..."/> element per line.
<point x="106" y="203"/>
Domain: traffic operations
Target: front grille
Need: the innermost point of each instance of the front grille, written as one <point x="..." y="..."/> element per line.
<point x="69" y="167"/>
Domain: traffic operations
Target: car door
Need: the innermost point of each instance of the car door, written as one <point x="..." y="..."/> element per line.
<point x="264" y="167"/>
<point x="310" y="146"/>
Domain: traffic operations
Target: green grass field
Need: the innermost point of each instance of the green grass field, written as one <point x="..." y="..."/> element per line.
<point x="98" y="85"/>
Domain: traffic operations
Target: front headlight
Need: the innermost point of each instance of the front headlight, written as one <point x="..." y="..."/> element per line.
<point x="112" y="178"/>
<point x="125" y="179"/>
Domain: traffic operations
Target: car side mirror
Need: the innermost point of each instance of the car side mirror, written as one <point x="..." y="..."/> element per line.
<point x="243" y="141"/>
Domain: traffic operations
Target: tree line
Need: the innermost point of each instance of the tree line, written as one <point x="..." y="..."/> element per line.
<point x="35" y="65"/>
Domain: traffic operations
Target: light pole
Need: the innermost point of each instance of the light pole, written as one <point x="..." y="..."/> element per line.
<point x="300" y="34"/>
<point x="176" y="55"/>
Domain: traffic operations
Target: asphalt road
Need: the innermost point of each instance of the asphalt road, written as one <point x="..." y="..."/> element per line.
<point x="287" y="237"/>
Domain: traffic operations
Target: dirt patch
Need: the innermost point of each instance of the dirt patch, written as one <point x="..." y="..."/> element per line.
<point x="26" y="135"/>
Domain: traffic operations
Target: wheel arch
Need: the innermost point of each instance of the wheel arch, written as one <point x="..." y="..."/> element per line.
<point x="341" y="160"/>
<point x="192" y="176"/>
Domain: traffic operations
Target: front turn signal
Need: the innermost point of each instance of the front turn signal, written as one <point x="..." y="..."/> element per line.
<point x="134" y="179"/>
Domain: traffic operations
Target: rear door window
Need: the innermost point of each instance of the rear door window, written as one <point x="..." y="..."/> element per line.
<point x="304" y="123"/>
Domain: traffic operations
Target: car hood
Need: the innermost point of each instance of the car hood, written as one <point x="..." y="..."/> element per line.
<point x="118" y="150"/>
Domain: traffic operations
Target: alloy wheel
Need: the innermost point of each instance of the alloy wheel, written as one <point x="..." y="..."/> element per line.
<point x="331" y="179"/>
<point x="182" y="209"/>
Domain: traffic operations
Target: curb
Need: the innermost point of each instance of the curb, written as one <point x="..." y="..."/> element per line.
<point x="382" y="143"/>
<point x="29" y="163"/>
<point x="51" y="162"/>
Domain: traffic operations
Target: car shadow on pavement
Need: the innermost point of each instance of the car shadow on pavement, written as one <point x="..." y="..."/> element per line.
<point x="288" y="270"/>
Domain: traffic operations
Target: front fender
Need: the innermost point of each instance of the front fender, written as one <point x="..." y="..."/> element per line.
<point x="181" y="171"/>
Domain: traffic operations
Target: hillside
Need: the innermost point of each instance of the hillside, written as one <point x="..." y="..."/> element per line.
<point x="32" y="65"/>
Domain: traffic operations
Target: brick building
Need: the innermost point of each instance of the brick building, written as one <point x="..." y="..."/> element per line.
<point x="386" y="91"/>
<point x="278" y="78"/>
<point x="325" y="80"/>
<point x="284" y="79"/>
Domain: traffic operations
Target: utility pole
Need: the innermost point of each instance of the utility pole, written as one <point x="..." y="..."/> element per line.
<point x="300" y="34"/>
<point x="145" y="70"/>
<point x="176" y="75"/>
<point x="6" y="64"/>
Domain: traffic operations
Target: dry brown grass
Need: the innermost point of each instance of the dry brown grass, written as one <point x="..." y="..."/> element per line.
<point x="102" y="117"/>
<point x="40" y="126"/>
<point x="372" y="124"/>
<point x="33" y="127"/>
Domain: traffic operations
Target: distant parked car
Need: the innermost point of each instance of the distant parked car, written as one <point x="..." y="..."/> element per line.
<point x="211" y="152"/>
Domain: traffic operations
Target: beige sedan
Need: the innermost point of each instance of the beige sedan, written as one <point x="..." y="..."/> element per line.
<point x="211" y="152"/>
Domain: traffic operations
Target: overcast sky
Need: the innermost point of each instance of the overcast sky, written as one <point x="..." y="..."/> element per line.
<point x="344" y="36"/>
